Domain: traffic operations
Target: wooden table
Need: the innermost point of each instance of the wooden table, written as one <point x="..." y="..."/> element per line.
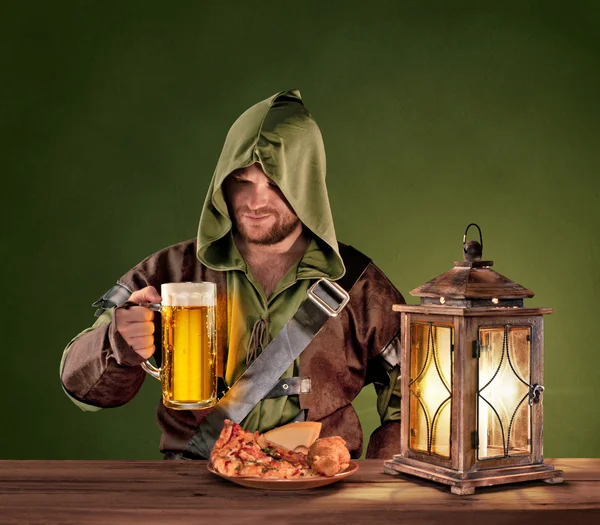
<point x="149" y="492"/>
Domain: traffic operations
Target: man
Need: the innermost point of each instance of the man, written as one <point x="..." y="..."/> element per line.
<point x="266" y="234"/>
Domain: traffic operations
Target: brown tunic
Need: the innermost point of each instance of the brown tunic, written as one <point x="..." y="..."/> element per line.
<point x="102" y="370"/>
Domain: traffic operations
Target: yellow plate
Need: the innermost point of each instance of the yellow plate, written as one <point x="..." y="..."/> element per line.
<point x="287" y="484"/>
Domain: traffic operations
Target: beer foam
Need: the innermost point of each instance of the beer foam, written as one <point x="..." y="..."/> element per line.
<point x="188" y="294"/>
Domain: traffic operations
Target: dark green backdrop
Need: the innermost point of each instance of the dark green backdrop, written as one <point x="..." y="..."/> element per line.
<point x="434" y="115"/>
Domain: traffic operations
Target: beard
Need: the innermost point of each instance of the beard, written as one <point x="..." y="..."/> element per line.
<point x="285" y="224"/>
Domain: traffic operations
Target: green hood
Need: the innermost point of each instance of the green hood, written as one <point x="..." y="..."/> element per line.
<point x="280" y="134"/>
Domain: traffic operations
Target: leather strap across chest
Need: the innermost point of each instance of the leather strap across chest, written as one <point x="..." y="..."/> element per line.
<point x="324" y="300"/>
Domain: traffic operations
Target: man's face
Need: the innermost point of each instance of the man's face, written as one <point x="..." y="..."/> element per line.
<point x="260" y="212"/>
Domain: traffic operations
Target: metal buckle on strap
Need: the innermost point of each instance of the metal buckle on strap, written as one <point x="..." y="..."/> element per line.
<point x="331" y="290"/>
<point x="116" y="296"/>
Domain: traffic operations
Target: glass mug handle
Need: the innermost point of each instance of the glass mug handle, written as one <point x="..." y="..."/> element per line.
<point x="147" y="365"/>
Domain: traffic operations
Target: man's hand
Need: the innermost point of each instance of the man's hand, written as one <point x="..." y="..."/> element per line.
<point x="136" y="324"/>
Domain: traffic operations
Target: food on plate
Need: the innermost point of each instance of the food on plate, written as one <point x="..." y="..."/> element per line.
<point x="328" y="456"/>
<point x="239" y="453"/>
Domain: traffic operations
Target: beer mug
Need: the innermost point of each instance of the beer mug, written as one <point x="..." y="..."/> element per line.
<point x="188" y="371"/>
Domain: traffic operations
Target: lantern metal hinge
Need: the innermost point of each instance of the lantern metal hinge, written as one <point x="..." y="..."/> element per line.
<point x="476" y="349"/>
<point x="535" y="393"/>
<point x="475" y="439"/>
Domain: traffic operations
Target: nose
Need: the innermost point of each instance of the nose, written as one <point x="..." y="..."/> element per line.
<point x="258" y="197"/>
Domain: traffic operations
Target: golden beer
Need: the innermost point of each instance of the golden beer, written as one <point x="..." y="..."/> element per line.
<point x="188" y="356"/>
<point x="188" y="372"/>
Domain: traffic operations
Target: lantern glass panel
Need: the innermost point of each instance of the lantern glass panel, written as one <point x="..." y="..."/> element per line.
<point x="430" y="386"/>
<point x="503" y="410"/>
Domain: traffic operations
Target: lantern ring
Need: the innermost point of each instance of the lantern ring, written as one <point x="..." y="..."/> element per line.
<point x="472" y="250"/>
<point x="480" y="236"/>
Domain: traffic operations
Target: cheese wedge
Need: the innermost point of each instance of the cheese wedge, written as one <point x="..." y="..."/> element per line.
<point x="294" y="435"/>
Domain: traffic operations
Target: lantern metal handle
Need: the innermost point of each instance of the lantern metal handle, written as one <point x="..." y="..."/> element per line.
<point x="480" y="235"/>
<point x="472" y="250"/>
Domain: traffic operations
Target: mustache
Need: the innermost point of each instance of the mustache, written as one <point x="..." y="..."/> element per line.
<point x="245" y="210"/>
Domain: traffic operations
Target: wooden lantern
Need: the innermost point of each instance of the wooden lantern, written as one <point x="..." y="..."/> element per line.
<point x="472" y="376"/>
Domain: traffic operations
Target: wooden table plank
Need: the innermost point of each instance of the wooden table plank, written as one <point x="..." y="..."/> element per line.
<point x="577" y="468"/>
<point x="93" y="492"/>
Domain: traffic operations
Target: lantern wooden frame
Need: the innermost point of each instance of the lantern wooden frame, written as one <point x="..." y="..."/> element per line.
<point x="463" y="471"/>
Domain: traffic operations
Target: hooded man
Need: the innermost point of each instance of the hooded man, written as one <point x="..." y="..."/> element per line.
<point x="265" y="236"/>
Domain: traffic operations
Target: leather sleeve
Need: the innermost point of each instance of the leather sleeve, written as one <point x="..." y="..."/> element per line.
<point x="383" y="370"/>
<point x="384" y="442"/>
<point x="99" y="368"/>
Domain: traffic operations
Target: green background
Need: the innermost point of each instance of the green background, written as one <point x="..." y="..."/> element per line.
<point x="434" y="115"/>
